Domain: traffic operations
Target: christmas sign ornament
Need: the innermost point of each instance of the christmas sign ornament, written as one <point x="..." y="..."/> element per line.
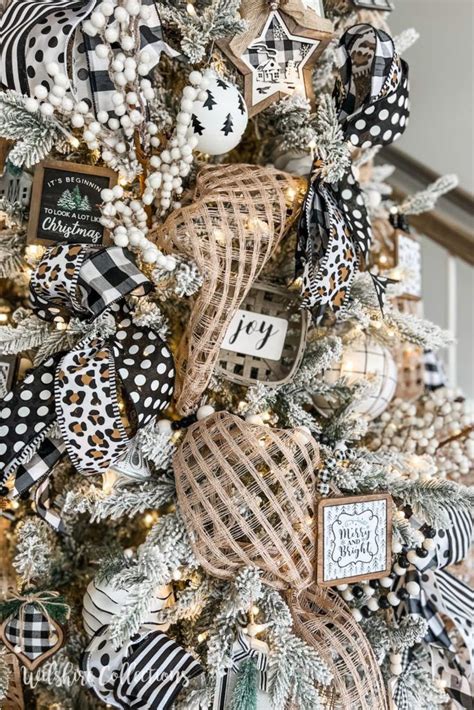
<point x="266" y="338"/>
<point x="238" y="218"/>
<point x="247" y="494"/>
<point x="32" y="630"/>
<point x="65" y="204"/>
<point x="219" y="121"/>
<point x="103" y="600"/>
<point x="354" y="538"/>
<point x="365" y="359"/>
<point x="148" y="671"/>
<point x="278" y="52"/>
<point x="334" y="230"/>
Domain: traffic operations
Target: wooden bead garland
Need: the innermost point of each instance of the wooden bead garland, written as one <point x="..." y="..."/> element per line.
<point x="247" y="494"/>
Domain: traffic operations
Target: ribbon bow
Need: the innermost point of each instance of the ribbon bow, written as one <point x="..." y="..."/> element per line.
<point x="442" y="593"/>
<point x="148" y="671"/>
<point x="79" y="390"/>
<point x="35" y="34"/>
<point x="334" y="229"/>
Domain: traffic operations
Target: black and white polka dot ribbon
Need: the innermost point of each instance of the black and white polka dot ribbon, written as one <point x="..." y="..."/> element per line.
<point x="80" y="390"/>
<point x="334" y="231"/>
<point x="148" y="671"/>
<point x="444" y="595"/>
<point x="35" y="33"/>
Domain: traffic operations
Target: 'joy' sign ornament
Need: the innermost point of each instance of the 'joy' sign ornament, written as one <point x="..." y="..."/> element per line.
<point x="256" y="334"/>
<point x="354" y="538"/>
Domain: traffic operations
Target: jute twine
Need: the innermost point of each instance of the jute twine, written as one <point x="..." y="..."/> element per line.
<point x="248" y="497"/>
<point x="323" y="620"/>
<point x="230" y="231"/>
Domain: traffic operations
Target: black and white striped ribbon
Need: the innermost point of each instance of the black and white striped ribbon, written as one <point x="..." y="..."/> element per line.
<point x="147" y="672"/>
<point x="241" y="651"/>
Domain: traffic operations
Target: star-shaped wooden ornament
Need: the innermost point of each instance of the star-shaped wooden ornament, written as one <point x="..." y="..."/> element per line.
<point x="279" y="60"/>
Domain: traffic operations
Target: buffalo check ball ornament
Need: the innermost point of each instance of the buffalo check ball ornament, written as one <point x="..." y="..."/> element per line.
<point x="219" y="121"/>
<point x="277" y="54"/>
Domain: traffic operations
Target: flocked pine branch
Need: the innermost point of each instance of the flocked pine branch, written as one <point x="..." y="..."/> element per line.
<point x="166" y="548"/>
<point x="122" y="502"/>
<point x="385" y="637"/>
<point x="149" y="314"/>
<point x="429" y="499"/>
<point x="294" y="123"/>
<point x="30" y="332"/>
<point x="211" y="21"/>
<point x="34" y="134"/>
<point x="405" y="40"/>
<point x="34" y="551"/>
<point x="12" y="244"/>
<point x="330" y="144"/>
<point x="184" y="280"/>
<point x="425" y="200"/>
<point x="156" y="446"/>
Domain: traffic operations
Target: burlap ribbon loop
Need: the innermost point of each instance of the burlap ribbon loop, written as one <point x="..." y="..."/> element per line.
<point x="230" y="231"/>
<point x="248" y="497"/>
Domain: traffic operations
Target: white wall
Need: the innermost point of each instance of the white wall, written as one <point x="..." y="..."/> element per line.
<point x="440" y="135"/>
<point x="441" y="129"/>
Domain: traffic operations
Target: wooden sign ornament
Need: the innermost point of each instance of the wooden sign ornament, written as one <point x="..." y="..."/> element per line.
<point x="354" y="535"/>
<point x="278" y="51"/>
<point x="65" y="203"/>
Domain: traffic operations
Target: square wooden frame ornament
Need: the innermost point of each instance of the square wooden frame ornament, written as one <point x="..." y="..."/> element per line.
<point x="66" y="177"/>
<point x="328" y="545"/>
<point x="290" y="32"/>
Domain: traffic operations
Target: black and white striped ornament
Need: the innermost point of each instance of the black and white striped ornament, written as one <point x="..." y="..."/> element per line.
<point x="102" y="601"/>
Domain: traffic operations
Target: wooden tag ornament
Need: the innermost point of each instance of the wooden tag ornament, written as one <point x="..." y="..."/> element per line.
<point x="31" y="628"/>
<point x="65" y="203"/>
<point x="354" y="538"/>
<point x="265" y="339"/>
<point x="277" y="54"/>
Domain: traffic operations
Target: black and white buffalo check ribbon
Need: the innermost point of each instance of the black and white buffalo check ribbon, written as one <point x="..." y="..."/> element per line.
<point x="444" y="595"/>
<point x="148" y="671"/>
<point x="243" y="650"/>
<point x="334" y="229"/>
<point x="79" y="390"/>
<point x="34" y="33"/>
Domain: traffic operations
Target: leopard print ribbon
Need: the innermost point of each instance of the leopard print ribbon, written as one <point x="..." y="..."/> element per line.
<point x="80" y="390"/>
<point x="334" y="230"/>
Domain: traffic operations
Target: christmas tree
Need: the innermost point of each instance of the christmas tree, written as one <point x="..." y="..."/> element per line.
<point x="233" y="474"/>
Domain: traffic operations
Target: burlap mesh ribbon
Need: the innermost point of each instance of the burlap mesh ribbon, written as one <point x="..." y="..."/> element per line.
<point x="248" y="496"/>
<point x="323" y="620"/>
<point x="230" y="231"/>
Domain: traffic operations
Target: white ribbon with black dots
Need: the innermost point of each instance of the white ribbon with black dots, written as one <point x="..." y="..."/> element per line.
<point x="334" y="230"/>
<point x="35" y="33"/>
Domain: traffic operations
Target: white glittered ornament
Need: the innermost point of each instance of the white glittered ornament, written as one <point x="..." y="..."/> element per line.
<point x="365" y="359"/>
<point x="218" y="121"/>
<point x="102" y="601"/>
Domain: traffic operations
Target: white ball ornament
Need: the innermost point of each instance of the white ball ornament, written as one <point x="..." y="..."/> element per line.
<point x="363" y="359"/>
<point x="220" y="119"/>
<point x="102" y="601"/>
